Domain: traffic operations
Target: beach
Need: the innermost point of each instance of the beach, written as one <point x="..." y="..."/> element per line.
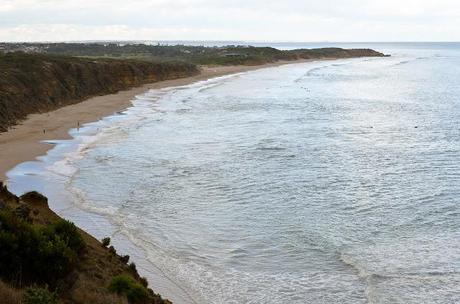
<point x="25" y="141"/>
<point x="37" y="134"/>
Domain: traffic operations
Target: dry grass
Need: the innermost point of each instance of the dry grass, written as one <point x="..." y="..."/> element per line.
<point x="85" y="292"/>
<point x="9" y="295"/>
<point x="99" y="298"/>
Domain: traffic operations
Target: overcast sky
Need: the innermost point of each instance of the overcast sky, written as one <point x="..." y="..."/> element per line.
<point x="248" y="20"/>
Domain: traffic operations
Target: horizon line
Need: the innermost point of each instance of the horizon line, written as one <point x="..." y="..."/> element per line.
<point x="219" y="41"/>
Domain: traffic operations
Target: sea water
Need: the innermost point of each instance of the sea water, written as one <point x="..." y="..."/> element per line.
<point x="321" y="182"/>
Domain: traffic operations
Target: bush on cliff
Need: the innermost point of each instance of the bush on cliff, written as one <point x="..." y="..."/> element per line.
<point x="105" y="242"/>
<point x="37" y="254"/>
<point x="125" y="285"/>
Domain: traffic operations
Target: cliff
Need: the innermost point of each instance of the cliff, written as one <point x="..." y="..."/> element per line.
<point x="46" y="255"/>
<point x="34" y="83"/>
<point x="48" y="78"/>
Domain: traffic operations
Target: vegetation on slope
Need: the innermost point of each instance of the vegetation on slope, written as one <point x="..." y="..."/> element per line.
<point x="31" y="83"/>
<point x="42" y="254"/>
<point x="45" y="259"/>
<point x="201" y="55"/>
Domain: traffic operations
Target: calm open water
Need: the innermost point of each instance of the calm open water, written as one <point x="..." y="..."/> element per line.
<point x="323" y="182"/>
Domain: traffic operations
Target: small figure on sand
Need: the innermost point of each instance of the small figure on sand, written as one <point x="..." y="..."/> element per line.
<point x="44" y="131"/>
<point x="78" y="126"/>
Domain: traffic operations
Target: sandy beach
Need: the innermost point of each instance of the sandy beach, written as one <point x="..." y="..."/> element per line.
<point x="24" y="142"/>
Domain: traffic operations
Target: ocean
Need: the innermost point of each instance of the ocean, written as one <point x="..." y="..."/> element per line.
<point x="321" y="182"/>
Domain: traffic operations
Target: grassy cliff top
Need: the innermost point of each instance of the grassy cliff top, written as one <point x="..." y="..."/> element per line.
<point x="226" y="55"/>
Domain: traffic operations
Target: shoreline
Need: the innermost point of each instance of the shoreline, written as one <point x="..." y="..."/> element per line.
<point x="25" y="141"/>
<point x="28" y="138"/>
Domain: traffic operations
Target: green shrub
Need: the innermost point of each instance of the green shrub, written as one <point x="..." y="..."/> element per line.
<point x="132" y="267"/>
<point x="68" y="232"/>
<point x="121" y="284"/>
<point x="144" y="282"/>
<point x="105" y="242"/>
<point x="125" y="285"/>
<point x="37" y="295"/>
<point x="37" y="254"/>
<point x="137" y="294"/>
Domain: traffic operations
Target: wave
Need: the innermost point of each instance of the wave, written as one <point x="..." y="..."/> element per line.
<point x="311" y="72"/>
<point x="412" y="60"/>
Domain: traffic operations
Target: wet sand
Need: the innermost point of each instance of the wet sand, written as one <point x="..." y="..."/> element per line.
<point x="24" y="142"/>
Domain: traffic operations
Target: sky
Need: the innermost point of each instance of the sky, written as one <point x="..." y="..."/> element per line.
<point x="233" y="20"/>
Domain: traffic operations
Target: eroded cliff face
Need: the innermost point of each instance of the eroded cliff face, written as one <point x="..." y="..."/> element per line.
<point x="33" y="83"/>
